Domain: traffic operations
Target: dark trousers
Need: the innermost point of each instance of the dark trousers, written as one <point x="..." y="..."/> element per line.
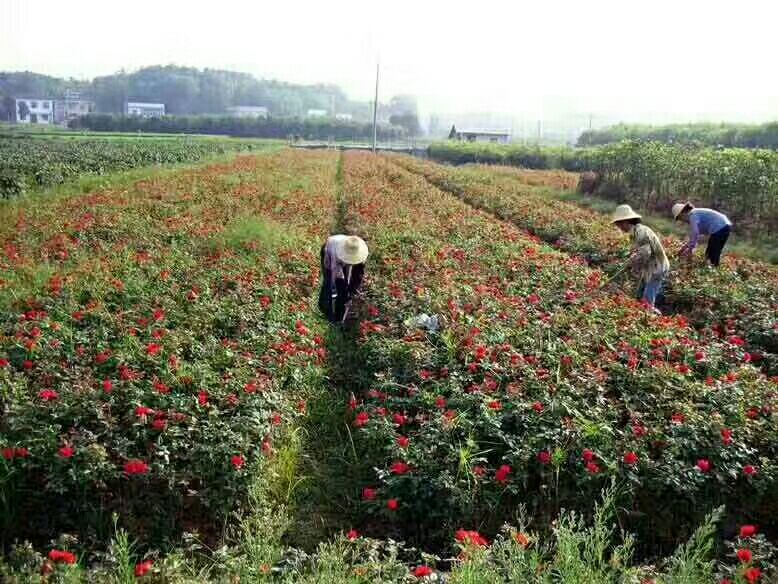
<point x="716" y="243"/>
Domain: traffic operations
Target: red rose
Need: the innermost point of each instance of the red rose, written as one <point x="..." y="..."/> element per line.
<point x="399" y="419"/>
<point x="440" y="403"/>
<point x="107" y="385"/>
<point x="422" y="571"/>
<point x="3" y="362"/>
<point x="143" y="568"/>
<point x="587" y="455"/>
<point x="202" y="398"/>
<point x="8" y="453"/>
<point x="62" y="557"/>
<point x="631" y="458"/>
<point x="678" y="418"/>
<point x="748" y="531"/>
<point x="638" y="431"/>
<point x="750" y="470"/>
<point x="48" y="395"/>
<point x="136" y="467"/>
<point x="704" y="465"/>
<point x="369" y="494"/>
<point x="495" y="405"/>
<point x="538" y="407"/>
<point x="479" y="471"/>
<point x="361" y="420"/>
<point x="744" y="556"/>
<point x="392" y="504"/>
<point x="352" y="535"/>
<point x="752" y="575"/>
<point x="143" y="411"/>
<point x="66" y="452"/>
<point x="726" y="436"/>
<point x="403" y="442"/>
<point x="237" y="461"/>
<point x="544" y="457"/>
<point x="399" y="468"/>
<point x="592" y="467"/>
<point x="465" y="536"/>
<point x="501" y="476"/>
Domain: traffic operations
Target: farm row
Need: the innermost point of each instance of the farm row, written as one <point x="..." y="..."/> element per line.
<point x="29" y="162"/>
<point x="652" y="175"/>
<point x="741" y="299"/>
<point x="161" y="360"/>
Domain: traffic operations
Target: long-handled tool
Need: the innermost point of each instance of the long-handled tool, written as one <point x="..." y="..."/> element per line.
<point x="618" y="273"/>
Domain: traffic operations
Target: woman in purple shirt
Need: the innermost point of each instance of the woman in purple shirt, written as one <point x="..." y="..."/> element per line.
<point x="715" y="225"/>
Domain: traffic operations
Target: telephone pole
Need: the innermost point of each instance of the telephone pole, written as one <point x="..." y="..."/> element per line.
<point x="375" y="110"/>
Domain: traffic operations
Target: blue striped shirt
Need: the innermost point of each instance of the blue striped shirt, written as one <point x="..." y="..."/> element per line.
<point x="705" y="222"/>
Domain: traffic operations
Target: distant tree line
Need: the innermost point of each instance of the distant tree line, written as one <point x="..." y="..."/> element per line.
<point x="724" y="135"/>
<point x="273" y="127"/>
<point x="187" y="90"/>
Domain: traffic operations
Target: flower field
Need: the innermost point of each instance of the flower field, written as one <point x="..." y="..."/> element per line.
<point x="160" y="355"/>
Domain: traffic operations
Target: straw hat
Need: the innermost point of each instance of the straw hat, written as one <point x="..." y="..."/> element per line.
<point x="352" y="250"/>
<point x="624" y="213"/>
<point x="678" y="208"/>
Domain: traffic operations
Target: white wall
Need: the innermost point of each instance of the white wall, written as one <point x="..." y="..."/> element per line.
<point x="41" y="110"/>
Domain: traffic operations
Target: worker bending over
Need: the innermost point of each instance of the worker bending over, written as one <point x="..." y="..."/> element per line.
<point x="704" y="222"/>
<point x="648" y="256"/>
<point x="343" y="267"/>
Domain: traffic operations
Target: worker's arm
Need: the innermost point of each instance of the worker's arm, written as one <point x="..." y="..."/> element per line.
<point x="694" y="233"/>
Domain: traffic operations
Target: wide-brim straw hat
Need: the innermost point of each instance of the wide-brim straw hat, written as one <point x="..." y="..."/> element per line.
<point x="678" y="208"/>
<point x="352" y="250"/>
<point x="624" y="213"/>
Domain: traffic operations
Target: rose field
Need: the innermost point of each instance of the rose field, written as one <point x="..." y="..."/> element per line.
<point x="175" y="409"/>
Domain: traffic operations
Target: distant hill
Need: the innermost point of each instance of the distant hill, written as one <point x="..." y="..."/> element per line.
<point x="187" y="90"/>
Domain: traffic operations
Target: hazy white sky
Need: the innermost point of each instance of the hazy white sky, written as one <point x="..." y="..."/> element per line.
<point x="685" y="57"/>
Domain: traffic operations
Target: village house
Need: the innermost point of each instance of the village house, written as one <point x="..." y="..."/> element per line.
<point x="491" y="136"/>
<point x="144" y="109"/>
<point x="34" y="111"/>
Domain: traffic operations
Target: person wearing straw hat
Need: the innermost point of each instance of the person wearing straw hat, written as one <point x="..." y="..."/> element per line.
<point x="343" y="268"/>
<point x="648" y="257"/>
<point x="710" y="222"/>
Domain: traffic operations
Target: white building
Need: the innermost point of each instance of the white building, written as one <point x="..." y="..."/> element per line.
<point x="34" y="111"/>
<point x="492" y="136"/>
<point x="248" y="111"/>
<point x="144" y="109"/>
<point x="70" y="108"/>
<point x="317" y="113"/>
<point x="344" y="117"/>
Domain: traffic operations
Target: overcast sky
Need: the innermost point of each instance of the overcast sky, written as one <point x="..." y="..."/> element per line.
<point x="688" y="58"/>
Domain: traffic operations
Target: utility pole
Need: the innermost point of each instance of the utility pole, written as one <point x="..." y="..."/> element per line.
<point x="375" y="109"/>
